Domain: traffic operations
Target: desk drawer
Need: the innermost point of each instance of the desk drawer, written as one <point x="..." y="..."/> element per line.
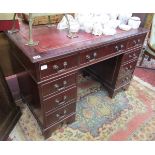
<point x="117" y="47"/>
<point x="89" y="56"/>
<point x="58" y="85"/>
<point x="60" y="114"/>
<point x="60" y="100"/>
<point x="131" y="55"/>
<point x="135" y="42"/>
<point x="58" y="66"/>
<point x="123" y="80"/>
<point x="127" y="68"/>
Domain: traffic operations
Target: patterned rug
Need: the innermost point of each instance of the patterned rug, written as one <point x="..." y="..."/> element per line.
<point x="128" y="116"/>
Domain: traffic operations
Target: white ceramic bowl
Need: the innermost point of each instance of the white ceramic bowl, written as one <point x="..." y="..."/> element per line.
<point x="134" y="22"/>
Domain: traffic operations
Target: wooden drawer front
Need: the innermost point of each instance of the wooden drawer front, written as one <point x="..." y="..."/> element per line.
<point x="131" y="55"/>
<point x="58" y="66"/>
<point x="59" y="100"/>
<point x="135" y="42"/>
<point x="93" y="55"/>
<point x="60" y="114"/>
<point x="90" y="56"/>
<point x="124" y="80"/>
<point x="127" y="68"/>
<point x="114" y="48"/>
<point x="58" y="85"/>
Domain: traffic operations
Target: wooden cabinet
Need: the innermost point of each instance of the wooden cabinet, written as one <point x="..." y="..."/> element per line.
<point x="9" y="112"/>
<point x="49" y="82"/>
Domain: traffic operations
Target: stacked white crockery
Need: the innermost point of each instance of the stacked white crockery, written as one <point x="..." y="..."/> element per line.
<point x="99" y="23"/>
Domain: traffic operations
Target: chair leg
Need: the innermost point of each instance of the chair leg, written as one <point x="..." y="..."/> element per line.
<point x="149" y="58"/>
<point x="142" y="59"/>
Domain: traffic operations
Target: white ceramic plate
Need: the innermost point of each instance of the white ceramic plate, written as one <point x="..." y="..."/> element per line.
<point x="124" y="27"/>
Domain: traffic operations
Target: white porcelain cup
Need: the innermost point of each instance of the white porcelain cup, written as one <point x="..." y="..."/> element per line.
<point x="88" y="27"/>
<point x="97" y="29"/>
<point x="74" y="28"/>
<point x="134" y="22"/>
<point x="124" y="17"/>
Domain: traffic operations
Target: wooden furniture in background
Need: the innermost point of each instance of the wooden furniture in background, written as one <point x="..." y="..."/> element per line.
<point x="9" y="112"/>
<point x="42" y="20"/>
<point x="149" y="49"/>
<point x="48" y="82"/>
<point x="7" y="64"/>
<point x="6" y="22"/>
<point x="5" y="61"/>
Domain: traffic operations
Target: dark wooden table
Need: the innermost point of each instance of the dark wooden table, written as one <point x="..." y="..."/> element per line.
<point x="48" y="72"/>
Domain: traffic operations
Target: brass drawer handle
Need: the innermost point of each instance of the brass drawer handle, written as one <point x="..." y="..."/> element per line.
<point x="138" y="40"/>
<point x="65" y="64"/>
<point x="57" y="115"/>
<point x="56" y="86"/>
<point x="65" y="111"/>
<point x="125" y="79"/>
<point x="60" y="116"/>
<point x="88" y="57"/>
<point x="116" y="48"/>
<point x="130" y="56"/>
<point x="122" y="46"/>
<point x="59" y="87"/>
<point x="128" y="68"/>
<point x="61" y="102"/>
<point x="94" y="55"/>
<point x="56" y="67"/>
<point x="134" y="42"/>
<point x="134" y="55"/>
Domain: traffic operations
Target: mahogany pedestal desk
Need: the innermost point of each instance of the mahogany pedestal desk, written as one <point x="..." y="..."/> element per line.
<point x="48" y="78"/>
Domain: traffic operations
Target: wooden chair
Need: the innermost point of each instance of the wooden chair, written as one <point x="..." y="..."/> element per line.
<point x="149" y="49"/>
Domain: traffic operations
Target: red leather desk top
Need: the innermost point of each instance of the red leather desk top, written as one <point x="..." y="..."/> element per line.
<point x="54" y="43"/>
